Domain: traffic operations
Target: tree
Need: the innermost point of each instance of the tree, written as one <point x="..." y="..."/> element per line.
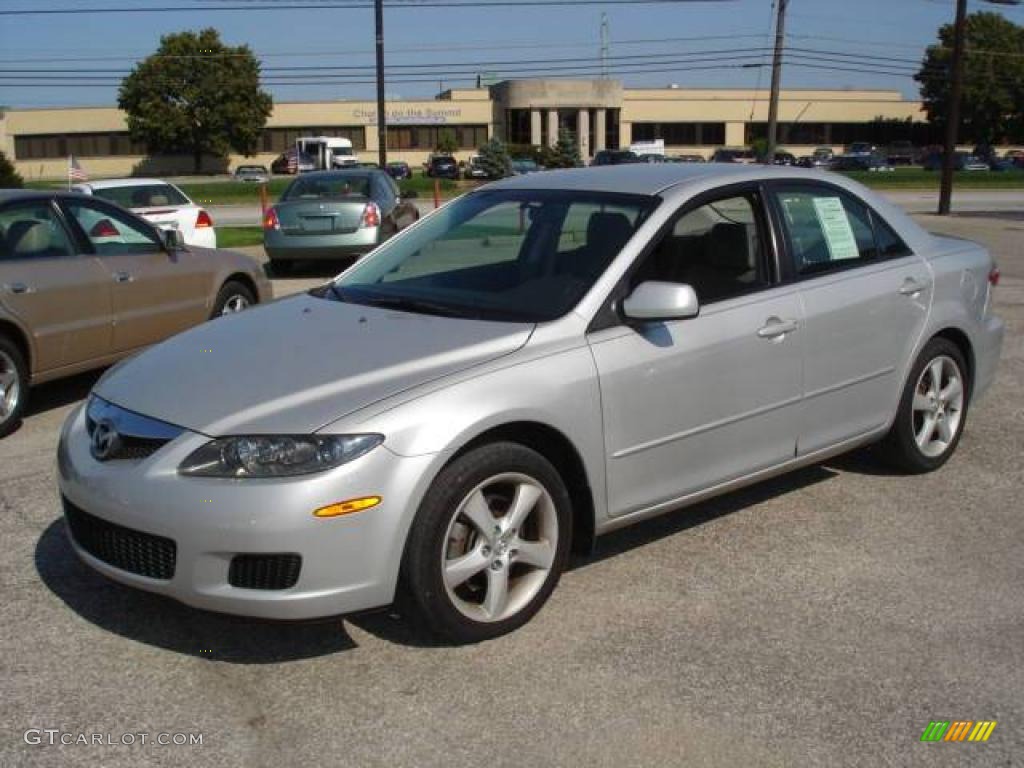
<point x="494" y="159"/>
<point x="447" y="144"/>
<point x="9" y="178"/>
<point x="198" y="96"/>
<point x="992" y="107"/>
<point x="565" y="153"/>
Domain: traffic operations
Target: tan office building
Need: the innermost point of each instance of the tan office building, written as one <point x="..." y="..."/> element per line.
<point x="601" y="113"/>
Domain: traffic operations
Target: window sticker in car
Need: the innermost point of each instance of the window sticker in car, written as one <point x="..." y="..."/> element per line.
<point x="835" y="225"/>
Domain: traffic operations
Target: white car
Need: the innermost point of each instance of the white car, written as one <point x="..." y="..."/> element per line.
<point x="159" y="202"/>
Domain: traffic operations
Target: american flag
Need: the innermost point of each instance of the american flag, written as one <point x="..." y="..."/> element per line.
<point x="293" y="161"/>
<point x="75" y="171"/>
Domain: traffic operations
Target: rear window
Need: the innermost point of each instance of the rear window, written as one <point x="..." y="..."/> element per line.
<point x="142" y="196"/>
<point x="328" y="188"/>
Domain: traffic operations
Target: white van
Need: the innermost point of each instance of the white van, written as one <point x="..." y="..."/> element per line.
<point x="327" y="151"/>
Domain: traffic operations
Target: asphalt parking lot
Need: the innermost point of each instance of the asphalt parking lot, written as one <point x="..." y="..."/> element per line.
<point x="819" y="619"/>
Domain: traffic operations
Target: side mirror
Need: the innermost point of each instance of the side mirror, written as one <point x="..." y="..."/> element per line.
<point x="655" y="300"/>
<point x="174" y="240"/>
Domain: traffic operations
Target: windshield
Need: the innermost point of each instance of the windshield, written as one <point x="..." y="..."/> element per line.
<point x="342" y="151"/>
<point x="328" y="187"/>
<point x="512" y="255"/>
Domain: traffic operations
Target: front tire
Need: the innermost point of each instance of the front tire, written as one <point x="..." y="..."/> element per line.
<point x="232" y="298"/>
<point x="488" y="545"/>
<point x="13" y="386"/>
<point x="932" y="411"/>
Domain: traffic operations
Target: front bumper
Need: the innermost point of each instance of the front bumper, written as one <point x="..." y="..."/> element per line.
<point x="348" y="563"/>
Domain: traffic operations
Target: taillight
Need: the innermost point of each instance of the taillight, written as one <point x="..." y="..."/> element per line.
<point x="993" y="276"/>
<point x="371" y="216"/>
<point x="203" y="220"/>
<point x="270" y="220"/>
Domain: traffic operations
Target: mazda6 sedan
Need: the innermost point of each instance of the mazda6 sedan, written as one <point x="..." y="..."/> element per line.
<point x="541" y="361"/>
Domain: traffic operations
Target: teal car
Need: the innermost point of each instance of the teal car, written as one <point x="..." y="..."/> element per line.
<point x="334" y="215"/>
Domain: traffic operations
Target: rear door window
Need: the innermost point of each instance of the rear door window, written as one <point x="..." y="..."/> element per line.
<point x="826" y="229"/>
<point x="142" y="196"/>
<point x="32" y="231"/>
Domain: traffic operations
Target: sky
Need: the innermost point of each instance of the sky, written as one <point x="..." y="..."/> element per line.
<point x="887" y="35"/>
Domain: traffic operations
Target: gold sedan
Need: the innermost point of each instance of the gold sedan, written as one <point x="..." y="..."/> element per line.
<point x="84" y="283"/>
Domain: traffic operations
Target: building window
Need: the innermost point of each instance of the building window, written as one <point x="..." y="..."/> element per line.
<point x="880" y="132"/>
<point x="611" y="128"/>
<point x="55" y="145"/>
<point x="426" y="137"/>
<point x="681" y="134"/>
<point x="518" y="127"/>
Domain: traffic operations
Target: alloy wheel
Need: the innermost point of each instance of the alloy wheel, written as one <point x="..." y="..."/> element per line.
<point x="235" y="303"/>
<point x="500" y="547"/>
<point x="10" y="387"/>
<point x="938" y="406"/>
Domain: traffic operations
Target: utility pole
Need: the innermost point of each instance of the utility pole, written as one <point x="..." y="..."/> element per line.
<point x="953" y="108"/>
<point x="382" y="120"/>
<point x="604" y="46"/>
<point x="773" y="104"/>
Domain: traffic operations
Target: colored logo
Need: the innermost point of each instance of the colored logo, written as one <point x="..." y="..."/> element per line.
<point x="958" y="730"/>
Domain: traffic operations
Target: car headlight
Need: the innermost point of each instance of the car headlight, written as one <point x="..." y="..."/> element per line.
<point x="276" y="455"/>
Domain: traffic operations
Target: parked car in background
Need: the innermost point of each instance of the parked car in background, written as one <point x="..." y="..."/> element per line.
<point x="903" y="153"/>
<point x="284" y="165"/>
<point x="399" y="170"/>
<point x="1001" y="164"/>
<point x="524" y="165"/>
<point x="445" y="422"/>
<point x="784" y="158"/>
<point x="255" y="174"/>
<point x="874" y="163"/>
<point x="962" y="161"/>
<point x="821" y="158"/>
<point x="85" y="283"/>
<point x="160" y="203"/>
<point x="614" y="157"/>
<point x="442" y="167"/>
<point x="734" y="155"/>
<point x="684" y="159"/>
<point x="861" y="148"/>
<point x="334" y="215"/>
<point x="474" y="169"/>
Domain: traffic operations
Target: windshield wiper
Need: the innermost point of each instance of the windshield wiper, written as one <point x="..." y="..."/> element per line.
<point x="409" y="304"/>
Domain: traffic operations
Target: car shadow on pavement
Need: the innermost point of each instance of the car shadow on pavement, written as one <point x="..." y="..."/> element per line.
<point x="671" y="523"/>
<point x="57" y="394"/>
<point x="164" y="623"/>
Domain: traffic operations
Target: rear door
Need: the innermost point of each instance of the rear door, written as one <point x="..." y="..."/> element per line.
<point x="156" y="293"/>
<point x="866" y="297"/>
<point x="60" y="296"/>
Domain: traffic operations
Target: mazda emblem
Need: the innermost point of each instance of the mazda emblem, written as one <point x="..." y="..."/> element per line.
<point x="105" y="441"/>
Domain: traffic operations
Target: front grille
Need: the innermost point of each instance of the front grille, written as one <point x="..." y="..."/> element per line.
<point x="135" y="437"/>
<point x="264" y="571"/>
<point x="123" y="548"/>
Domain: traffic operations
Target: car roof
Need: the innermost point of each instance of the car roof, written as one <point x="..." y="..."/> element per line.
<point x="338" y="172"/>
<point x="9" y="195"/>
<point x="652" y="178"/>
<point x="114" y="183"/>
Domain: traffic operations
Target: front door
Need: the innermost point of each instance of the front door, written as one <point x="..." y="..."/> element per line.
<point x="61" y="297"/>
<point x="156" y="293"/>
<point x="690" y="404"/>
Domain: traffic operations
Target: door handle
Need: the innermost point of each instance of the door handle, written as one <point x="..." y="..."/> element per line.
<point x="123" y="277"/>
<point x="774" y="328"/>
<point x="911" y="287"/>
<point x="19" y="288"/>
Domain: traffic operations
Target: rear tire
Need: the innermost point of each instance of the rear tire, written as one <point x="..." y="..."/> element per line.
<point x="13" y="385"/>
<point x="932" y="411"/>
<point x="488" y="544"/>
<point x="232" y="298"/>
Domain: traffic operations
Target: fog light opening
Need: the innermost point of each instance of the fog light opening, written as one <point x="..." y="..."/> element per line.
<point x="348" y="507"/>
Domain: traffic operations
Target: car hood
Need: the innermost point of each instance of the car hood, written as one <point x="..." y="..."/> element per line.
<point x="294" y="366"/>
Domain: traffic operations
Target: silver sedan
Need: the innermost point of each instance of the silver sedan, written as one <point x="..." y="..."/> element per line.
<point x="539" y="362"/>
